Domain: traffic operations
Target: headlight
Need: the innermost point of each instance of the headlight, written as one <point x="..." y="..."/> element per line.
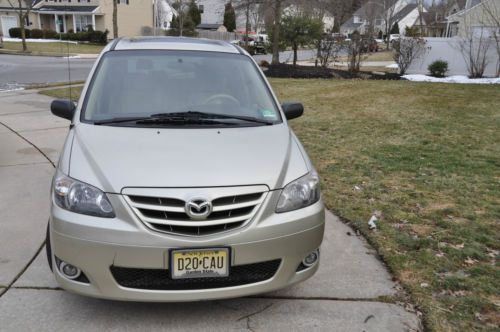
<point x="79" y="197"/>
<point x="299" y="193"/>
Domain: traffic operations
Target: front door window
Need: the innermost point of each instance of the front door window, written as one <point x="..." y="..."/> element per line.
<point x="60" y="23"/>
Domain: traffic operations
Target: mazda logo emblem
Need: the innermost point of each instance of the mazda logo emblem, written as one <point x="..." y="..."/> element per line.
<point x="198" y="208"/>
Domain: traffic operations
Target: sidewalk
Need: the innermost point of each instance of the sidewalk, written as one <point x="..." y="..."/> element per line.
<point x="352" y="290"/>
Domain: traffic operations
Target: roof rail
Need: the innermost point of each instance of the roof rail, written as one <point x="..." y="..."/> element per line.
<point x="115" y="41"/>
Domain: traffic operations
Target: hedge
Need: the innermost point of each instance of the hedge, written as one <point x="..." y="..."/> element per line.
<point x="98" y="37"/>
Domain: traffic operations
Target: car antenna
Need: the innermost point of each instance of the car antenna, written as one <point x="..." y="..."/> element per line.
<point x="67" y="49"/>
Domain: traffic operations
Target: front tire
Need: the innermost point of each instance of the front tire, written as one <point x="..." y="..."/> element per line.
<point x="48" y="248"/>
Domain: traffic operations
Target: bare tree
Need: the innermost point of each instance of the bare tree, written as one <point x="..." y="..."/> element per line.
<point x="329" y="51"/>
<point x="276" y="6"/>
<point x="407" y="50"/>
<point x="181" y="7"/>
<point x="492" y="20"/>
<point x="474" y="43"/>
<point x="115" y="19"/>
<point x="248" y="6"/>
<point x="389" y="7"/>
<point x="341" y="10"/>
<point x="372" y="12"/>
<point x="22" y="9"/>
<point x="354" y="52"/>
<point x="420" y="6"/>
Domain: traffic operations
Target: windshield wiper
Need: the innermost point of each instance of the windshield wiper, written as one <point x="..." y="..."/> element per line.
<point x="120" y="120"/>
<point x="205" y="115"/>
<point x="181" y="118"/>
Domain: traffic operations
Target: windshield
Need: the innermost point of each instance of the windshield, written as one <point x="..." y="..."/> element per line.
<point x="141" y="84"/>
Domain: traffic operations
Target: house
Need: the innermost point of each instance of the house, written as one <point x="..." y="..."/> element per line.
<point x="479" y="18"/>
<point x="408" y="17"/>
<point x="435" y="19"/>
<point x="321" y="13"/>
<point x="368" y="18"/>
<point x="134" y="16"/>
<point x="371" y="17"/>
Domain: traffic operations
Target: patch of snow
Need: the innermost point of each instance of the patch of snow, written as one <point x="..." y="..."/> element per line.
<point x="18" y="40"/>
<point x="393" y="65"/>
<point x="6" y="87"/>
<point x="451" y="79"/>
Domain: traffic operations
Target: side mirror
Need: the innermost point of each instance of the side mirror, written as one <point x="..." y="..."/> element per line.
<point x="292" y="110"/>
<point x="63" y="108"/>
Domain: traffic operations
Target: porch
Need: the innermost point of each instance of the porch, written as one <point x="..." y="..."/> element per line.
<point x="63" y="19"/>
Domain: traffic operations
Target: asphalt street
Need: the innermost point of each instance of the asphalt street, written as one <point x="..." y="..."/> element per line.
<point x="17" y="71"/>
<point x="352" y="291"/>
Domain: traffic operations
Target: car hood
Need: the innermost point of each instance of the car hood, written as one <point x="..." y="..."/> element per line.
<point x="113" y="158"/>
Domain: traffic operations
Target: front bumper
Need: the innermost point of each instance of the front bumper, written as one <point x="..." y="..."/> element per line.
<point x="96" y="244"/>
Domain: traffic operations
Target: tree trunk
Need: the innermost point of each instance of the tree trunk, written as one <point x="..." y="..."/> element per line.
<point x="23" y="32"/>
<point x="420" y="11"/>
<point x="247" y="24"/>
<point x="295" y="48"/>
<point x="387" y="34"/>
<point x="276" y="32"/>
<point x="115" y="19"/>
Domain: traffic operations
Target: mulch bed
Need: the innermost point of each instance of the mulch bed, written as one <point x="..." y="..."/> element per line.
<point x="290" y="71"/>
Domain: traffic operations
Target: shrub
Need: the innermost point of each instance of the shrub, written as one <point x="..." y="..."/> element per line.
<point x="79" y="36"/>
<point x="49" y="34"/>
<point x="98" y="37"/>
<point x="438" y="68"/>
<point x="250" y="49"/>
<point x="36" y="34"/>
<point x="264" y="63"/>
<point x="16" y="33"/>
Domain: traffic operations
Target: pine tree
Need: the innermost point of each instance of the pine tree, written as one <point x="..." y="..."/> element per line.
<point x="229" y="17"/>
<point x="194" y="13"/>
<point x="395" y="29"/>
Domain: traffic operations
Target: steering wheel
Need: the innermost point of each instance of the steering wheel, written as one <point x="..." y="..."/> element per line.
<point x="222" y="98"/>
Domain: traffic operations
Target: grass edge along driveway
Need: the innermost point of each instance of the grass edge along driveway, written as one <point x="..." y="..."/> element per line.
<point x="428" y="157"/>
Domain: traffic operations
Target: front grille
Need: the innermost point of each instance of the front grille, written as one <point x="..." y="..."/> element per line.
<point x="159" y="279"/>
<point x="167" y="214"/>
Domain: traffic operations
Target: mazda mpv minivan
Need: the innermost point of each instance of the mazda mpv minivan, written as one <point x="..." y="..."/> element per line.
<point x="180" y="179"/>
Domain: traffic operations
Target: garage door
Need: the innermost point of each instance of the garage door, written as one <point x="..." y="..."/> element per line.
<point x="7" y="23"/>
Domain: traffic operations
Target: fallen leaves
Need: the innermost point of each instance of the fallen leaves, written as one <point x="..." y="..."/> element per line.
<point x="470" y="261"/>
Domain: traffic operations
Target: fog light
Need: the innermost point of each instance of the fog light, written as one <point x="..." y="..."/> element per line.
<point x="69" y="271"/>
<point x="311" y="258"/>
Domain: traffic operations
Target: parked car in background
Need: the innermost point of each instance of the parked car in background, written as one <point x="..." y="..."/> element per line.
<point x="393" y="37"/>
<point x="180" y="179"/>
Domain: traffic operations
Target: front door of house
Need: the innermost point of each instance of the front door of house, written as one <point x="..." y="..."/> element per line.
<point x="60" y="23"/>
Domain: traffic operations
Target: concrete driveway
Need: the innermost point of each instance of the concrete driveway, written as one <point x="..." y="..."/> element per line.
<point x="351" y="292"/>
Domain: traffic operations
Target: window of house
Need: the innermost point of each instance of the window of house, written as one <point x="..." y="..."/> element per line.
<point x="201" y="8"/>
<point x="82" y="22"/>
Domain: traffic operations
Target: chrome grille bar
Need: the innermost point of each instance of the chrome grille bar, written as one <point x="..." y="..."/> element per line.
<point x="164" y="211"/>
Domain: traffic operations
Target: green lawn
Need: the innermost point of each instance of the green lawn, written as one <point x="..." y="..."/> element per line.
<point x="53" y="48"/>
<point x="427" y="156"/>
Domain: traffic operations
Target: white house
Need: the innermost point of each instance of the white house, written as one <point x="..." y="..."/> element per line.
<point x="408" y="16"/>
<point x="372" y="17"/>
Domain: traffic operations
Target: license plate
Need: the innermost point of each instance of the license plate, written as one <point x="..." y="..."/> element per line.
<point x="199" y="263"/>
